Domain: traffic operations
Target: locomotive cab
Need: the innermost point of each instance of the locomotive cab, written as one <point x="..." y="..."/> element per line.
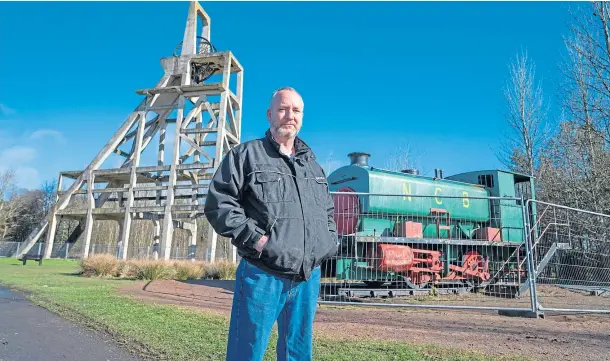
<point x="506" y="215"/>
<point x="500" y="183"/>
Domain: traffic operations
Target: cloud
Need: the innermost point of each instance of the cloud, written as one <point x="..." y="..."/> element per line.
<point x="5" y="110"/>
<point x="42" y="133"/>
<point x="17" y="155"/>
<point x="5" y="139"/>
<point x="17" y="158"/>
<point x="27" y="177"/>
<point x="35" y="154"/>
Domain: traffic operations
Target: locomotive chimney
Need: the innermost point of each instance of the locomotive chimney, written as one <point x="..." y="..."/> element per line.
<point x="359" y="158"/>
<point x="441" y="173"/>
<point x="435" y="172"/>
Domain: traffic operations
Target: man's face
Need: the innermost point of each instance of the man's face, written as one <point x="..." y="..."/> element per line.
<point x="286" y="114"/>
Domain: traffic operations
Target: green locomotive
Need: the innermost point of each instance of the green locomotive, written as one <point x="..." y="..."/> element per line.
<point x="428" y="231"/>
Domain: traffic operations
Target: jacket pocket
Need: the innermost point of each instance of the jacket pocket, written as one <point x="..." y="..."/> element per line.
<point x="270" y="186"/>
<point x="327" y="245"/>
<point x="320" y="190"/>
<point x="283" y="250"/>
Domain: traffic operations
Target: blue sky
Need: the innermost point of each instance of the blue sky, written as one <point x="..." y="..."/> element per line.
<point x="374" y="76"/>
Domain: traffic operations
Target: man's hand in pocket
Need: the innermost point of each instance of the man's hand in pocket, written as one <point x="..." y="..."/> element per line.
<point x="261" y="243"/>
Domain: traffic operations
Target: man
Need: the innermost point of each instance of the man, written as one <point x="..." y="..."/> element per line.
<point x="271" y="197"/>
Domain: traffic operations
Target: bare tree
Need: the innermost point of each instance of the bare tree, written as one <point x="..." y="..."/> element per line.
<point x="574" y="168"/>
<point x="328" y="163"/>
<point x="403" y="157"/>
<point x="578" y="94"/>
<point x="591" y="42"/>
<point x="48" y="190"/>
<point x="526" y="117"/>
<point x="581" y="148"/>
<point x="7" y="185"/>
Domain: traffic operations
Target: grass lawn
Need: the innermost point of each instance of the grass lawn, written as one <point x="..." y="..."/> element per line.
<point x="163" y="332"/>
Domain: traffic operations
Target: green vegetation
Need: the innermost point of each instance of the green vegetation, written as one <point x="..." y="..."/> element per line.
<point x="163" y="332"/>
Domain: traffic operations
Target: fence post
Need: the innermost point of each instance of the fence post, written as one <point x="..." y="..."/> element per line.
<point x="529" y="256"/>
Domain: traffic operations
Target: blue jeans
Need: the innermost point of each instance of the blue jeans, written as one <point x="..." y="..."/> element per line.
<point x="259" y="300"/>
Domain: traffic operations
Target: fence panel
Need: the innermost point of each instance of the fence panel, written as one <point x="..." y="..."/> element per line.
<point x="446" y="252"/>
<point x="427" y="251"/>
<point x="8" y="249"/>
<point x="571" y="251"/>
<point x="148" y="252"/>
<point x="75" y="251"/>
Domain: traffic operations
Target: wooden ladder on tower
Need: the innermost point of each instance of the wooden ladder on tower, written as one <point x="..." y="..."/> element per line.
<point x="439" y="213"/>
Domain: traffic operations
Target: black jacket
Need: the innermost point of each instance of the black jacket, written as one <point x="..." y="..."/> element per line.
<point x="257" y="190"/>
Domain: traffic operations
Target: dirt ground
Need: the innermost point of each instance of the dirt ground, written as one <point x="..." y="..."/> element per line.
<point x="556" y="337"/>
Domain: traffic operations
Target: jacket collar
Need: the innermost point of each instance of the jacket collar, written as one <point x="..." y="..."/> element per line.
<point x="301" y="149"/>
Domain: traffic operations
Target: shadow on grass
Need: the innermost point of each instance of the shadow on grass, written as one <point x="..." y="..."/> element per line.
<point x="227" y="285"/>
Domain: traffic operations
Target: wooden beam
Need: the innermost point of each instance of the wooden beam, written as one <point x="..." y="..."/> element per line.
<point x="185" y="90"/>
<point x="200" y="131"/>
<point x="239" y="89"/>
<point x="89" y="217"/>
<point x="132" y="183"/>
<point x="167" y="228"/>
<point x="196" y="147"/>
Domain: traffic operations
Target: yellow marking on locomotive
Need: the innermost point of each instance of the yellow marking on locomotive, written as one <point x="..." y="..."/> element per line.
<point x="406" y="189"/>
<point x="436" y="191"/>
<point x="465" y="201"/>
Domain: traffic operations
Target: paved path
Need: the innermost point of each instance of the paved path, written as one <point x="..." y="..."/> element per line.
<point x="29" y="332"/>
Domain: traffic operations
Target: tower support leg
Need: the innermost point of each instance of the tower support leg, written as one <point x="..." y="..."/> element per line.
<point x="89" y="216"/>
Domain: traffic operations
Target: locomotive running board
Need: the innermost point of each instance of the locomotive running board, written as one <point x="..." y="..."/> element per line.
<point x="440" y="241"/>
<point x="390" y="292"/>
<point x="545" y="260"/>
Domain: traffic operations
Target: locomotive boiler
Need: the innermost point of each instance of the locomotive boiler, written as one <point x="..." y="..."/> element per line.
<point x="400" y="227"/>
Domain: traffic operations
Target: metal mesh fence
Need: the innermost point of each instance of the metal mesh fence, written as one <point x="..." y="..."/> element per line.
<point x="75" y="251"/>
<point x="428" y="251"/>
<point x="152" y="252"/>
<point x="11" y="249"/>
<point x="441" y="251"/>
<point x="8" y="249"/>
<point x="571" y="253"/>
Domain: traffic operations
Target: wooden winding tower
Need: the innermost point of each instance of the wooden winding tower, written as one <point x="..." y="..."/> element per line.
<point x="194" y="98"/>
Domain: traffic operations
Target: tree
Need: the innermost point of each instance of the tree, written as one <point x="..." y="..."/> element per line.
<point x="578" y="156"/>
<point x="7" y="186"/>
<point x="526" y="115"/>
<point x="403" y="157"/>
<point x="328" y="164"/>
<point x="590" y="45"/>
